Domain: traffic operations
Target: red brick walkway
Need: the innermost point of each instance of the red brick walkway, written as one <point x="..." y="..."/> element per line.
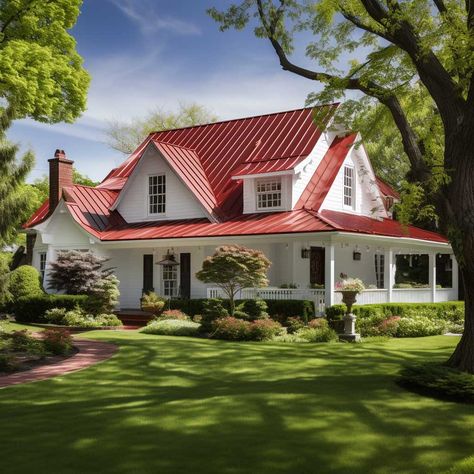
<point x="90" y="353"/>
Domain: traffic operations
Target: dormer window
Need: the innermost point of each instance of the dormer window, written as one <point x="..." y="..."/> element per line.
<point x="349" y="186"/>
<point x="269" y="193"/>
<point x="157" y="194"/>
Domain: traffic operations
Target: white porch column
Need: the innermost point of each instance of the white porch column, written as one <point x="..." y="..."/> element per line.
<point x="389" y="276"/>
<point x="455" y="276"/>
<point x="432" y="270"/>
<point x="329" y="274"/>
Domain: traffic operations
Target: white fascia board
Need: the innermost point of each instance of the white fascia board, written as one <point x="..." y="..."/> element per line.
<point x="326" y="236"/>
<point x="264" y="175"/>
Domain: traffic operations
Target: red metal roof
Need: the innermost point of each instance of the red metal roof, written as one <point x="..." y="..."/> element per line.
<point x="39" y="216"/>
<point x="321" y="182"/>
<point x="274" y="140"/>
<point x="386" y="189"/>
<point x="346" y="222"/>
<point x="206" y="157"/>
<point x="187" y="165"/>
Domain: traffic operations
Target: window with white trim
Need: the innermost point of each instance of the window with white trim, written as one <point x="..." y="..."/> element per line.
<point x="157" y="194"/>
<point x="348" y="186"/>
<point x="380" y="270"/>
<point x="170" y="280"/>
<point x="42" y="265"/>
<point x="268" y="193"/>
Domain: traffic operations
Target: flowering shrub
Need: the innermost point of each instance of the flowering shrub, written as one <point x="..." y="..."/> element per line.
<point x="22" y="341"/>
<point x="173" y="314"/>
<point x="58" y="341"/>
<point x="232" y="329"/>
<point x="350" y="284"/>
<point x="78" y="318"/>
<point x="318" y="323"/>
<point x="264" y="329"/>
<point x="171" y="327"/>
<point x="212" y="309"/>
<point x="420" y="326"/>
<point x="107" y="320"/>
<point x="388" y="327"/>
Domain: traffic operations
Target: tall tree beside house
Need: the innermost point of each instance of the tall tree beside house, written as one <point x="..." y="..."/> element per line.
<point x="416" y="49"/>
<point x="126" y="136"/>
<point x="233" y="268"/>
<point x="14" y="202"/>
<point x="41" y="185"/>
<point x="41" y="77"/>
<point x="41" y="73"/>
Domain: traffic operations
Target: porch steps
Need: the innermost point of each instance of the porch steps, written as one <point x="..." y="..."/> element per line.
<point x="134" y="317"/>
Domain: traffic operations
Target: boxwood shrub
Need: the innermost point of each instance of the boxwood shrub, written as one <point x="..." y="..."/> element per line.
<point x="31" y="309"/>
<point x="282" y="309"/>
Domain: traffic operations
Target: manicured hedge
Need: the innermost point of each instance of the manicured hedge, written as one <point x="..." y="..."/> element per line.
<point x="31" y="309"/>
<point x="336" y="312"/>
<point x="282" y="309"/>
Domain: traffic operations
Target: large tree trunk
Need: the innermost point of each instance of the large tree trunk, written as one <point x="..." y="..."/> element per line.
<point x="458" y="219"/>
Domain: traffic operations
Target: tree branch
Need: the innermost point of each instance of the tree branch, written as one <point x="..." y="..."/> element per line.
<point x="440" y="6"/>
<point x="411" y="143"/>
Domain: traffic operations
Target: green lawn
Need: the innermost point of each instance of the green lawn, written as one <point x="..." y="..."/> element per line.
<point x="179" y="405"/>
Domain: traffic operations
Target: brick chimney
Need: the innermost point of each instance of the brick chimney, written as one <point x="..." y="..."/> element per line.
<point x="60" y="176"/>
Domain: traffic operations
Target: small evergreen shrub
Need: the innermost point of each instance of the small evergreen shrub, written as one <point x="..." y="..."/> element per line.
<point x="172" y="327"/>
<point x="24" y="281"/>
<point x="438" y="381"/>
<point x="104" y="296"/>
<point x="293" y="324"/>
<point x="152" y="303"/>
<point x="22" y="341"/>
<point x="321" y="334"/>
<point x="55" y="315"/>
<point x="254" y="309"/>
<point x="7" y="362"/>
<point x="212" y="310"/>
<point x="58" y="341"/>
<point x="264" y="329"/>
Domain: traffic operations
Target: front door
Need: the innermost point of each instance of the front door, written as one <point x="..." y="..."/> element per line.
<point x="316" y="266"/>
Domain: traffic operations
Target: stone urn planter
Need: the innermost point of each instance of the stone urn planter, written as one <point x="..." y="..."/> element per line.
<point x="349" y="297"/>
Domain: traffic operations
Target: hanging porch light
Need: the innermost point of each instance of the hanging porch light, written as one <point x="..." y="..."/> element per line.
<point x="168" y="260"/>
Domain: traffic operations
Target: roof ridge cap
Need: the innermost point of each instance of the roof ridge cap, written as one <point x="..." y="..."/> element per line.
<point x="332" y="104"/>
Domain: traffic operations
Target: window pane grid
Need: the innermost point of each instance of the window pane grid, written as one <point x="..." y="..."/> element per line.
<point x="157" y="194"/>
<point x="348" y="185"/>
<point x="268" y="194"/>
<point x="42" y="265"/>
<point x="170" y="280"/>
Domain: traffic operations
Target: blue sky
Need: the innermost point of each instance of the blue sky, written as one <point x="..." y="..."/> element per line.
<point x="144" y="54"/>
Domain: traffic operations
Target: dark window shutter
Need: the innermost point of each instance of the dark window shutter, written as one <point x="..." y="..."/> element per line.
<point x="148" y="273"/>
<point x="185" y="275"/>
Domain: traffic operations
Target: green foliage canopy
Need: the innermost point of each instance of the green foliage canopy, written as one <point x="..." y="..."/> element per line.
<point x="126" y="136"/>
<point x="41" y="73"/>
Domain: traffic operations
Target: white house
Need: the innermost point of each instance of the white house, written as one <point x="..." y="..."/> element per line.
<point x="307" y="198"/>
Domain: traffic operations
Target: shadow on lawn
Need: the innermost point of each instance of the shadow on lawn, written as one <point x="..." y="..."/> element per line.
<point x="173" y="405"/>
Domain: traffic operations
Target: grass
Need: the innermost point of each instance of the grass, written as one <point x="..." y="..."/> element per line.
<point x="181" y="405"/>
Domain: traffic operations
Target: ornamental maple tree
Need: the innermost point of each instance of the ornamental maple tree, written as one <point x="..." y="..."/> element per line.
<point x="232" y="268"/>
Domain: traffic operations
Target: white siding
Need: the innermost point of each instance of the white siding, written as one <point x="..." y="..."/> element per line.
<point x="180" y="201"/>
<point x="367" y="196"/>
<point x="309" y="166"/>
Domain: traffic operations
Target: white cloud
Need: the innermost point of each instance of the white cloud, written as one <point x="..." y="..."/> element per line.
<point x="150" y="21"/>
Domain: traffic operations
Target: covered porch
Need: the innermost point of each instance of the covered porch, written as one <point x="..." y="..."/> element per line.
<point x="304" y="266"/>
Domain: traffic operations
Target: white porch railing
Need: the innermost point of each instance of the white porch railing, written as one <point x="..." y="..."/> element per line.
<point x="317" y="296"/>
<point x="376" y="296"/>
